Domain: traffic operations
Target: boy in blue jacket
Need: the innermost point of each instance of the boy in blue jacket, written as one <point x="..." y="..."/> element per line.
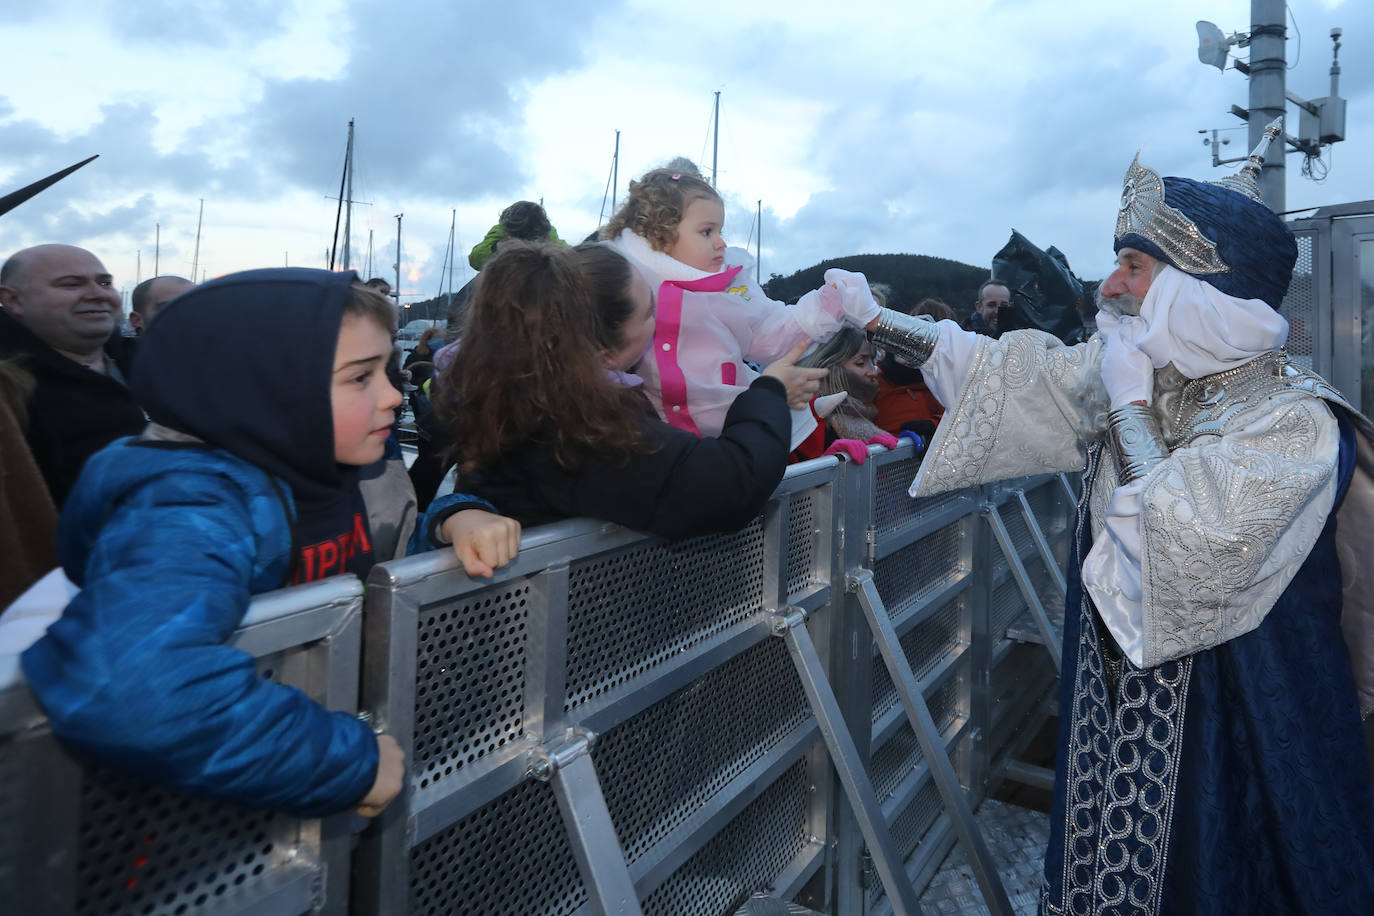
<point x="262" y="466"/>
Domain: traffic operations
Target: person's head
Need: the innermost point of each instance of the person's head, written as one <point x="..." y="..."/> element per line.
<point x="151" y="295"/>
<point x="849" y="357"/>
<point x="63" y="294"/>
<point x="624" y="304"/>
<point x="525" y="220"/>
<point x="1218" y="232"/>
<point x="936" y="309"/>
<point x="992" y="295"/>
<point x="380" y="285"/>
<point x="1123" y="292"/>
<point x="299" y="402"/>
<point x="425" y="346"/>
<point x="677" y="213"/>
<point x="532" y="370"/>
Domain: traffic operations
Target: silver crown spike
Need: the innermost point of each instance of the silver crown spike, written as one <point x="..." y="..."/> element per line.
<point x="1246" y="180"/>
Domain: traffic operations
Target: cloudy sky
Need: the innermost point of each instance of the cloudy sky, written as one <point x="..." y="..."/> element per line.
<point x="862" y="127"/>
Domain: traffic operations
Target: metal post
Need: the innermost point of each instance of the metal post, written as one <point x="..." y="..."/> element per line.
<point x="845" y="756"/>
<point x="397" y="291"/>
<point x="615" y="171"/>
<point x="1267" y="92"/>
<point x="715" y="142"/>
<point x="1018" y="570"/>
<point x="348" y="199"/>
<point x="195" y="260"/>
<point x="928" y="734"/>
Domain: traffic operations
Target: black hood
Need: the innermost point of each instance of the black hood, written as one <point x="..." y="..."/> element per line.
<point x="245" y="363"/>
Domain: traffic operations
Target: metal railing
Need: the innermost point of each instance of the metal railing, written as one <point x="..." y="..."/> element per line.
<point x="809" y="708"/>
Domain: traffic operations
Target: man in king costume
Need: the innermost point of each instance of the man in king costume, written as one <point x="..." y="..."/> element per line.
<point x="1217" y="657"/>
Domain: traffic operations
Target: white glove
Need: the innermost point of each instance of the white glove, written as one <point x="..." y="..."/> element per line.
<point x="1127" y="372"/>
<point x="855" y="297"/>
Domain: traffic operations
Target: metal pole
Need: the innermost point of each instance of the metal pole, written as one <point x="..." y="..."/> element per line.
<point x="758" y="258"/>
<point x="195" y="259"/>
<point x="138" y="270"/>
<point x="397" y="291"/>
<point x="1267" y="92"/>
<point x="615" y="169"/>
<point x="157" y="246"/>
<point x="715" y="139"/>
<point x="348" y="211"/>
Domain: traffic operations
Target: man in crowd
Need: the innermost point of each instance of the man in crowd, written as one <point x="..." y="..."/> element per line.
<point x="1217" y="639"/>
<point x="151" y="295"/>
<point x="992" y="295"/>
<point x="58" y="310"/>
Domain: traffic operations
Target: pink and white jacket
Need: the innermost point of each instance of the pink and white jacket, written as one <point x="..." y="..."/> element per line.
<point x="708" y="325"/>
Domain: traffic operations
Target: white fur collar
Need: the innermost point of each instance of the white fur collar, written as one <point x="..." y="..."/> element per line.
<point x="658" y="263"/>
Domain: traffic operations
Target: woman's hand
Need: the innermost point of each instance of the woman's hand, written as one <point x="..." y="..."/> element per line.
<point x="483" y="541"/>
<point x="802" y="384"/>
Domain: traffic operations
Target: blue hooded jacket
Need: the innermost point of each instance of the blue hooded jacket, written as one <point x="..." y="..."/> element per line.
<point x="170" y="536"/>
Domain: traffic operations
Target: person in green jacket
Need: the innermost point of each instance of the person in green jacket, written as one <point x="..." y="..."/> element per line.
<point x="523" y="219"/>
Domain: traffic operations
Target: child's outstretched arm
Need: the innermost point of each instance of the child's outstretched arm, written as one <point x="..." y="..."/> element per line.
<point x="774" y="328"/>
<point x="136" y="674"/>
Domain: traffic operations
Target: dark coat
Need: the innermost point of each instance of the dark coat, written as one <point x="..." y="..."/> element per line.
<point x="687" y="487"/>
<point x="74" y="411"/>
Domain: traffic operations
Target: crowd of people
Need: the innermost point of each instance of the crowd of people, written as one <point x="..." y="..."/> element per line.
<point x="643" y="378"/>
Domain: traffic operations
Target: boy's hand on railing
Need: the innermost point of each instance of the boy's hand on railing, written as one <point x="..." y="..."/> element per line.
<point x="483" y="541"/>
<point x="391" y="771"/>
<point x="802" y="384"/>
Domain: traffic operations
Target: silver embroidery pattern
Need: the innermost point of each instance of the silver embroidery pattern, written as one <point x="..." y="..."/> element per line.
<point x="1121" y="768"/>
<point x="1139" y="793"/>
<point x="1223" y="529"/>
<point x="1013" y="393"/>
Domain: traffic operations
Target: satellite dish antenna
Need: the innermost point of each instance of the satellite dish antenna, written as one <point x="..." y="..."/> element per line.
<point x="1211" y="44"/>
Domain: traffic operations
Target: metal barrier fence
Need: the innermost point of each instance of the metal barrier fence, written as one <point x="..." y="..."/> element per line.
<point x="806" y="709"/>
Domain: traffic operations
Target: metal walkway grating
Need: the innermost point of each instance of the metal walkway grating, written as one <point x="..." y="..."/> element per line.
<point x="1017" y="838"/>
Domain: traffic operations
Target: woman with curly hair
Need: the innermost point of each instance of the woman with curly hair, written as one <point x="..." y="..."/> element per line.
<point x="552" y="423"/>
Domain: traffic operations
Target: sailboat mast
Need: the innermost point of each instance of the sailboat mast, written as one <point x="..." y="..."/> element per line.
<point x="157" y="245"/>
<point x="348" y="202"/>
<point x="369" y="253"/>
<point x="615" y="171"/>
<point x="715" y="139"/>
<point x="452" y="244"/>
<point x="195" y="259"/>
<point x="397" y="291"/>
<point x="758" y="257"/>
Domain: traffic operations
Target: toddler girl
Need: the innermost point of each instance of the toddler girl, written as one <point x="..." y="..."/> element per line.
<point x="712" y="319"/>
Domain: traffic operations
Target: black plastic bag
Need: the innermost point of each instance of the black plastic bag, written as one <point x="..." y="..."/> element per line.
<point x="1045" y="294"/>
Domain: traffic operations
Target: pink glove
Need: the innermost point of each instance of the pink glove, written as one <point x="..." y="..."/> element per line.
<point x="1127" y="372"/>
<point x="855" y="450"/>
<point x="855" y="297"/>
<point x="886" y="440"/>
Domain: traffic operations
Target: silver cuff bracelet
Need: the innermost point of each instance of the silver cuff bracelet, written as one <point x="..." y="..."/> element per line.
<point x="910" y="337"/>
<point x="1135" y="440"/>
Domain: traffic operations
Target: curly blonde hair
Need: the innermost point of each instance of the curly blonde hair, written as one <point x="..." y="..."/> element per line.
<point x="655" y="206"/>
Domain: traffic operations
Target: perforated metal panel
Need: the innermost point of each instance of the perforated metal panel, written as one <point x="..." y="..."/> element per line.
<point x="469" y="681"/>
<point x="892" y="762"/>
<point x="150" y="851"/>
<point x="631" y="610"/>
<point x="892" y="507"/>
<point x="1300" y="305"/>
<point x="925" y="646"/>
<point x="924" y="567"/>
<point x="659" y="767"/>
<point x="745" y="856"/>
<point x="908" y="828"/>
<point x="510" y="856"/>
<point x="804" y="518"/>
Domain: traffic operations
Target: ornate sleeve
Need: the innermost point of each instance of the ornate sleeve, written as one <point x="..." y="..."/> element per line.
<point x="1021" y="404"/>
<point x="1198" y="551"/>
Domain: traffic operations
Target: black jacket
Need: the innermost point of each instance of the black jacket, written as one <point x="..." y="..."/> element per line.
<point x="74" y="411"/>
<point x="687" y="487"/>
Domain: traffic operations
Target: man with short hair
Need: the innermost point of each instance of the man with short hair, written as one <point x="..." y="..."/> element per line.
<point x="1218" y="651"/>
<point x="151" y="295"/>
<point x="992" y="295"/>
<point x="58" y="309"/>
